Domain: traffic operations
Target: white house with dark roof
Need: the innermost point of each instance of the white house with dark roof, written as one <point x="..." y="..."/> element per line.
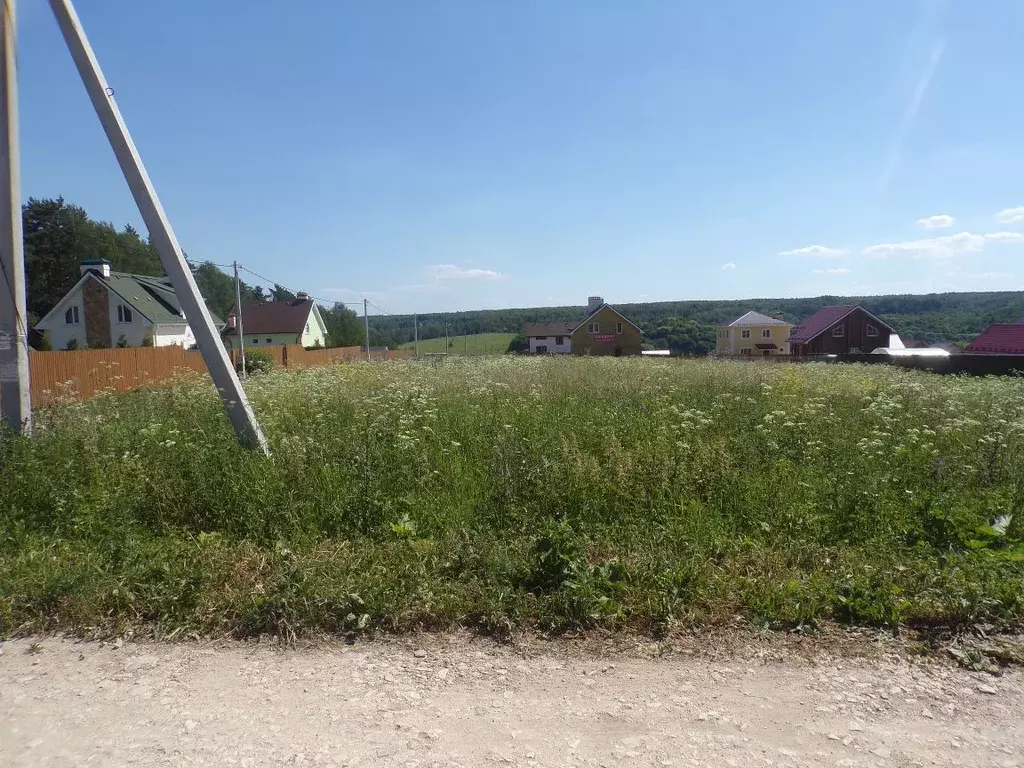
<point x="273" y="323"/>
<point x="109" y="309"/>
<point x="753" y="334"/>
<point x="550" y="338"/>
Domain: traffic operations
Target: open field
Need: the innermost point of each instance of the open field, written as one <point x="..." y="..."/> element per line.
<point x="516" y="493"/>
<point x="474" y="344"/>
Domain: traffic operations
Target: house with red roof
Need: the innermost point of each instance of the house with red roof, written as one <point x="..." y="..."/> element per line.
<point x="999" y="339"/>
<point x="272" y="323"/>
<point x="841" y="330"/>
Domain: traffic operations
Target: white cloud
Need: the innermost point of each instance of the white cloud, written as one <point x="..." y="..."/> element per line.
<point x="728" y="266"/>
<point x="452" y="272"/>
<point x="938" y="248"/>
<point x="834" y="271"/>
<point x="1011" y="215"/>
<point x="1006" y="237"/>
<point x="939" y="221"/>
<point x="817" y="251"/>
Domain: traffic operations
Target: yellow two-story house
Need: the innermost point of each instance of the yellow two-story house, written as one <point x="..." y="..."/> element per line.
<point x="753" y="334"/>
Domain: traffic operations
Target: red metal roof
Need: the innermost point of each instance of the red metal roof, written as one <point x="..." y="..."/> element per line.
<point x="999" y="339"/>
<point x="825" y="318"/>
<point x="274" y="317"/>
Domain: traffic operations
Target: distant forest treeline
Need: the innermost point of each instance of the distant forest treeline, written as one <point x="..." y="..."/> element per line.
<point x="931" y="318"/>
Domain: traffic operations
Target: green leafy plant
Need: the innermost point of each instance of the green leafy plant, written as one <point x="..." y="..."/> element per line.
<point x="257" y="361"/>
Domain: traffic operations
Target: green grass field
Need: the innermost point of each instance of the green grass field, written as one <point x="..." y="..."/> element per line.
<point x="474" y="344"/>
<point x="519" y="493"/>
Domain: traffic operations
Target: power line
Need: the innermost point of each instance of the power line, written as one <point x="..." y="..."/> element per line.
<point x="275" y="282"/>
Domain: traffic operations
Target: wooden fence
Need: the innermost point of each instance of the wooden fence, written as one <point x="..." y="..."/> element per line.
<point x="81" y="374"/>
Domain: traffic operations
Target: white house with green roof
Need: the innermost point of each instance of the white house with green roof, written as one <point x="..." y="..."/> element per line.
<point x="110" y="309"/>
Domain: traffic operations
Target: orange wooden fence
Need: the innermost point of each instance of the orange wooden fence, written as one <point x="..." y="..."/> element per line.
<point x="81" y="374"/>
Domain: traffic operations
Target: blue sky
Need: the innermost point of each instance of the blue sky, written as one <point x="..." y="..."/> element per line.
<point x="458" y="154"/>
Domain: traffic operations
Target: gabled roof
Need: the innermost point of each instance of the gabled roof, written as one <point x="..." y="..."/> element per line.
<point x="825" y="318"/>
<point x="274" y="316"/>
<point x="755" y="318"/>
<point x="548" y="329"/>
<point x="999" y="339"/>
<point x="597" y="309"/>
<point x="152" y="297"/>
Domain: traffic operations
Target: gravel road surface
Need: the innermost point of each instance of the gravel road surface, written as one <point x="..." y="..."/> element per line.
<point x="457" y="702"/>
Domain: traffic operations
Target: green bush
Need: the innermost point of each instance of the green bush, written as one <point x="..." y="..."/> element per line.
<point x="256" y="361"/>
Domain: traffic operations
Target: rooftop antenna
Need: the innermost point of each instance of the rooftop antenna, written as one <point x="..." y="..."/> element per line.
<point x="171" y="256"/>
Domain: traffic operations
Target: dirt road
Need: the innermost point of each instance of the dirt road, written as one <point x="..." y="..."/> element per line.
<point x="460" y="703"/>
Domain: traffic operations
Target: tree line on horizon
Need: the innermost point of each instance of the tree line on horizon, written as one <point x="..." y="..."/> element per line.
<point x="60" y="235"/>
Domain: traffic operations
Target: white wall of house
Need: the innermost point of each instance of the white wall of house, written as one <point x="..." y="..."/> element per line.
<point x="133" y="332"/>
<point x="171" y="335"/>
<point x="315" y="331"/>
<point x="253" y="340"/>
<point x="59" y="332"/>
<point x="552" y="348"/>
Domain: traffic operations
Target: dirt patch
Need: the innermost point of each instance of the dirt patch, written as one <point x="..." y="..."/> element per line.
<point x="458" y="701"/>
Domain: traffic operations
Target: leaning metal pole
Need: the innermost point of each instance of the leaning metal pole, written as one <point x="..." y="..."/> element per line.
<point x="217" y="362"/>
<point x="15" y="395"/>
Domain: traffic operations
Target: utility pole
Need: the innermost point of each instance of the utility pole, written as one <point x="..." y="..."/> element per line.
<point x="415" y="336"/>
<point x="215" y="356"/>
<point x="366" y="322"/>
<point x="465" y="345"/>
<point x="446" y="338"/>
<point x="15" y="394"/>
<point x="238" y="321"/>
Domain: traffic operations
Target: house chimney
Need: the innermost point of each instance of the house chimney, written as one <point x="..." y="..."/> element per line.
<point x="594" y="302"/>
<point x="100" y="266"/>
<point x="302" y="296"/>
<point x="231" y="321"/>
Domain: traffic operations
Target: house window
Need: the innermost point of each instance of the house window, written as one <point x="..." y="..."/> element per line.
<point x="745" y="333"/>
<point x="618" y="327"/>
<point x="766" y="333"/>
<point x="541" y="338"/>
<point x="559" y="340"/>
<point x="307" y="327"/>
<point x="71" y="316"/>
<point x="838" y="332"/>
<point x="872" y="331"/>
<point x="594" y="328"/>
<point x="746" y="351"/>
<point x="270" y="340"/>
<point x="255" y="340"/>
<point x="124" y="314"/>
